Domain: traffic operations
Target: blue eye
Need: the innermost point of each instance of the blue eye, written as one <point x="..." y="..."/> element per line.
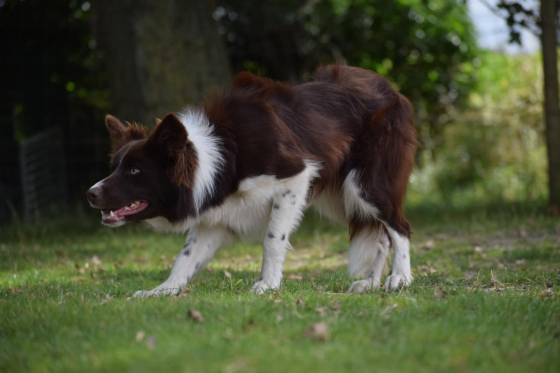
<point x="134" y="171"/>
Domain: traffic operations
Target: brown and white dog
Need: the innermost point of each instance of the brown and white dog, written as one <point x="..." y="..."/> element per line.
<point x="249" y="161"/>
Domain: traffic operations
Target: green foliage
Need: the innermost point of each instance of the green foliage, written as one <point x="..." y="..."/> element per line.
<point x="495" y="149"/>
<point x="427" y="49"/>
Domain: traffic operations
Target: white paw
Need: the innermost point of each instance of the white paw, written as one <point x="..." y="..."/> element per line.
<point x="161" y="290"/>
<point x="395" y="281"/>
<point x="259" y="288"/>
<point x="363" y="285"/>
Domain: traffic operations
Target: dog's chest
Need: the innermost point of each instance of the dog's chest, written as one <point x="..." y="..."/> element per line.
<point x="247" y="212"/>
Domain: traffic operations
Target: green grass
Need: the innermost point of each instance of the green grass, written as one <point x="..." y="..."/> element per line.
<point x="65" y="306"/>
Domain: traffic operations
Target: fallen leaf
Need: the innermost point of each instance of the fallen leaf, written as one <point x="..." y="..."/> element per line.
<point x="299" y="302"/>
<point x="477" y="249"/>
<point x="441" y="294"/>
<point x="195" y="315"/>
<point x="248" y="325"/>
<point x="318" y="331"/>
<point x="322" y="310"/>
<point x="95" y="260"/>
<point x="522" y="232"/>
<point x="429" y="244"/>
<point x="13" y="291"/>
<point x="140" y="335"/>
<point x="520" y="261"/>
<point x="185" y="292"/>
<point x="227" y="274"/>
<point x="151" y="342"/>
<point x="291" y="276"/>
<point x="494" y="280"/>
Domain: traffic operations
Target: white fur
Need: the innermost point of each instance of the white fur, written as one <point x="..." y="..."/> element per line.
<point x="354" y="203"/>
<point x="201" y="245"/>
<point x="401" y="273"/>
<point x="208" y="149"/>
<point x="288" y="204"/>
<point x="330" y="204"/>
<point x="378" y="244"/>
<point x="99" y="184"/>
<point x="363" y="251"/>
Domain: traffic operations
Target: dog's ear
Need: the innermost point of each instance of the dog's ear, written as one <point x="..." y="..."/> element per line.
<point x="121" y="134"/>
<point x="170" y="139"/>
<point x="169" y="135"/>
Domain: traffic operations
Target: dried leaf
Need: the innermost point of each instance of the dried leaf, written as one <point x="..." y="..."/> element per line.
<point x="477" y="249"/>
<point x="13" y="290"/>
<point x="299" y="302"/>
<point x="140" y="335"/>
<point x="522" y="232"/>
<point x="318" y="331"/>
<point x="151" y="342"/>
<point x="322" y="310"/>
<point x="95" y="260"/>
<point x="227" y="274"/>
<point x="520" y="261"/>
<point x="291" y="276"/>
<point x="429" y="245"/>
<point x="195" y="315"/>
<point x="494" y="280"/>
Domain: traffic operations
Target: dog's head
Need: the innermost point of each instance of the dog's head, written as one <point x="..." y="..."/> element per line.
<point x="149" y="173"/>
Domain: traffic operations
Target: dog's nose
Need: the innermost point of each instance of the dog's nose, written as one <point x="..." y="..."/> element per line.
<point x="93" y="194"/>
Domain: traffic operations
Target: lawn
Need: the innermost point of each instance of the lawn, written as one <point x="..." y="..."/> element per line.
<point x="485" y="298"/>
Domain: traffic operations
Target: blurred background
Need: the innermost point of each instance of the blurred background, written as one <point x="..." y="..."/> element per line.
<point x="472" y="69"/>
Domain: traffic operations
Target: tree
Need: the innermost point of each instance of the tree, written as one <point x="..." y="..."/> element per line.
<point x="551" y="105"/>
<point x="544" y="24"/>
<point x="160" y="55"/>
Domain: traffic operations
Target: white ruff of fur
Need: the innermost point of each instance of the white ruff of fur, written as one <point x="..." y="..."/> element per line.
<point x="208" y="149"/>
<point x="354" y="203"/>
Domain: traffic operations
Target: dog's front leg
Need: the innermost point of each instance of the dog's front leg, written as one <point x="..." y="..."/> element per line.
<point x="287" y="208"/>
<point x="199" y="249"/>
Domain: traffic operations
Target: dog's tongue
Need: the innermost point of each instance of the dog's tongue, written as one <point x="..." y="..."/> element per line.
<point x="115" y="216"/>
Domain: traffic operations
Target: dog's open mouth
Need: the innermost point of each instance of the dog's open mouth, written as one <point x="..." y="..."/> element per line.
<point x="111" y="217"/>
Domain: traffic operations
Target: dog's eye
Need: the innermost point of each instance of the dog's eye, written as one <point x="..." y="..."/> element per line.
<point x="134" y="171"/>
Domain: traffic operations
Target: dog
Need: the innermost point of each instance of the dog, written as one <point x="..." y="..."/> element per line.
<point x="248" y="162"/>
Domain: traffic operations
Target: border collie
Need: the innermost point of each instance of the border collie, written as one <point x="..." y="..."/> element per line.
<point x="249" y="161"/>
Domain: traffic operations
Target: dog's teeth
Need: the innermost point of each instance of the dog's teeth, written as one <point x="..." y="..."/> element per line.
<point x="112" y="214"/>
<point x="127" y="208"/>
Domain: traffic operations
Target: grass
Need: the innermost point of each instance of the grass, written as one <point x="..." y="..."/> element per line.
<point x="485" y="298"/>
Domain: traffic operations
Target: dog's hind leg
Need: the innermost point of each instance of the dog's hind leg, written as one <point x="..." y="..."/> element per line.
<point x="368" y="252"/>
<point x="200" y="247"/>
<point x="288" y="204"/>
<point x="401" y="273"/>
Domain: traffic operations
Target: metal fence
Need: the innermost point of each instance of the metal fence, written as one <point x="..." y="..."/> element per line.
<point x="43" y="174"/>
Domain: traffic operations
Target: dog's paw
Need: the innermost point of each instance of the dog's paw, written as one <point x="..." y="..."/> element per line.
<point x="362" y="285"/>
<point x="259" y="288"/>
<point x="395" y="281"/>
<point x="157" y="292"/>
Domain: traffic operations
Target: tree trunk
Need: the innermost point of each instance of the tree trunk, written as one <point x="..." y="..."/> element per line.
<point x="551" y="104"/>
<point x="160" y="55"/>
